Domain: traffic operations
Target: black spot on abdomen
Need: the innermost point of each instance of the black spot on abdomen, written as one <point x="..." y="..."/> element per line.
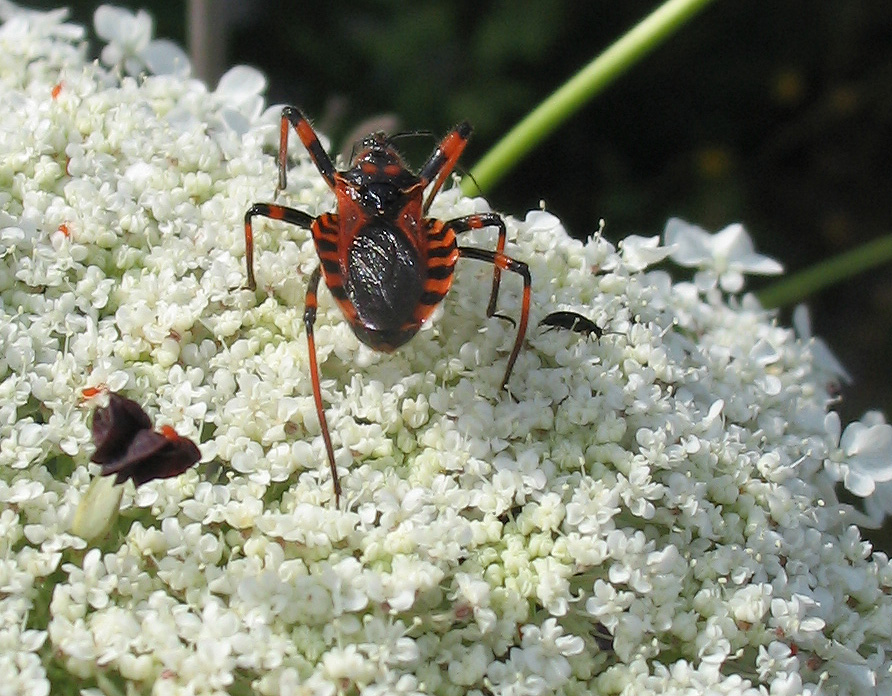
<point x="384" y="278"/>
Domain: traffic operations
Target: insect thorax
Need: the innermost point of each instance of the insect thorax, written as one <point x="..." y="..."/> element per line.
<point x="381" y="183"/>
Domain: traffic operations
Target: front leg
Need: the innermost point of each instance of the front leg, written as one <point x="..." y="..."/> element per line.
<point x="441" y="163"/>
<point x="273" y="212"/>
<point x="293" y="116"/>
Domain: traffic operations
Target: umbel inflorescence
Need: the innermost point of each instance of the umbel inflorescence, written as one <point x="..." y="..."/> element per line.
<point x="650" y="512"/>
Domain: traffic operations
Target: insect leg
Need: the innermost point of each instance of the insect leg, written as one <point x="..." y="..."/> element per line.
<point x="274" y="212"/>
<point x="506" y="263"/>
<point x="442" y="161"/>
<point x="293" y="116"/>
<point x="309" y="320"/>
<point x="475" y="222"/>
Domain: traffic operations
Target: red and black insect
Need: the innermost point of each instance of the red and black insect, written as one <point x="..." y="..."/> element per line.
<point x="127" y="447"/>
<point x="385" y="262"/>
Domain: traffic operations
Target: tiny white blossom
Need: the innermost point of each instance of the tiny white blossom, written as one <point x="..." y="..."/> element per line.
<point x="865" y="454"/>
<point x="242" y="87"/>
<point x="130" y="43"/>
<point x="726" y="255"/>
<point x="640" y="252"/>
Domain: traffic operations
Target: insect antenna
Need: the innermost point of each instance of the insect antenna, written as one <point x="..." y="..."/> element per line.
<point x="466" y="173"/>
<point x="412" y="134"/>
<point x="404" y="135"/>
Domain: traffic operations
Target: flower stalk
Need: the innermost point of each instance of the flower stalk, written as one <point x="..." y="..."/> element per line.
<point x="638" y="42"/>
<point x="799" y="286"/>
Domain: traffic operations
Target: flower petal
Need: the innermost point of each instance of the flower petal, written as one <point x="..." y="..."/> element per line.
<point x="240" y="82"/>
<point x="164" y="57"/>
<point x="691" y="244"/>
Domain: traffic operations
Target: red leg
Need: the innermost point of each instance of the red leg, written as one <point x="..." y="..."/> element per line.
<point x="292" y="115"/>
<point x="506" y="263"/>
<point x="476" y="222"/>
<point x="442" y="161"/>
<point x="274" y="212"/>
<point x="309" y="320"/>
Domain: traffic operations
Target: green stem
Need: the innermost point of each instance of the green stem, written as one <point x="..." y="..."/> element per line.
<point x="569" y="98"/>
<point x="797" y="287"/>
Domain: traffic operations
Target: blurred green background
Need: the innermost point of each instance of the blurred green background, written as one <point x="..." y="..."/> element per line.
<point x="775" y="114"/>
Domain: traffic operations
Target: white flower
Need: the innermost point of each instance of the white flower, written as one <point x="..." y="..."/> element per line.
<point x="347" y="664"/>
<point x="241" y="88"/>
<point x="726" y="255"/>
<point x="470" y="665"/>
<point x="640" y="252"/>
<point x="751" y="603"/>
<point x="131" y="45"/>
<point x="649" y="512"/>
<point x="865" y="453"/>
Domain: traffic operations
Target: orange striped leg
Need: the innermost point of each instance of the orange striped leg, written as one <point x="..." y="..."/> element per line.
<point x="442" y="161"/>
<point x="506" y="263"/>
<point x="274" y="212"/>
<point x="293" y="116"/>
<point x="475" y="222"/>
<point x="309" y="320"/>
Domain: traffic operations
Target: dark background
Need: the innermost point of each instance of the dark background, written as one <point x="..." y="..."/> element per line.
<point x="778" y="115"/>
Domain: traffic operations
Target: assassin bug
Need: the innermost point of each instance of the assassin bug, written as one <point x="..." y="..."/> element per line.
<point x="385" y="262"/>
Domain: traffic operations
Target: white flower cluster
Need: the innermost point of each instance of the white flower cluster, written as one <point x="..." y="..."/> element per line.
<point x="648" y="513"/>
